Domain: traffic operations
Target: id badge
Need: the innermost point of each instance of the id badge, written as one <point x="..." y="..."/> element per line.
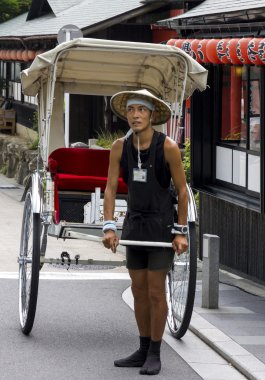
<point x="139" y="175"/>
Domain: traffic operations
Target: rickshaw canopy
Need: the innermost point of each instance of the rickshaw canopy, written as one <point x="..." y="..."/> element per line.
<point x="103" y="67"/>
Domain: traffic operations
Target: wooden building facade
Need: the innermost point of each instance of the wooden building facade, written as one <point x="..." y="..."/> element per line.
<point x="228" y="121"/>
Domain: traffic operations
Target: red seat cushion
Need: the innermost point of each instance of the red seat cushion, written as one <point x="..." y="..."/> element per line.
<point x="85" y="183"/>
<point x="80" y="169"/>
<point x="80" y="161"/>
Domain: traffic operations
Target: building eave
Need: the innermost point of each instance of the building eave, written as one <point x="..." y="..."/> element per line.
<point x="121" y="18"/>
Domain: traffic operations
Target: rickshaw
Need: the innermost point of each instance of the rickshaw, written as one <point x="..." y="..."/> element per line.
<point x="96" y="67"/>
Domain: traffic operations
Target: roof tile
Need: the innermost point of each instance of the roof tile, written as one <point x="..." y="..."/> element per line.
<point x="80" y="13"/>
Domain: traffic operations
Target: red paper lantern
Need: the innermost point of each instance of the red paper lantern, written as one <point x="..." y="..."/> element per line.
<point x="262" y="51"/>
<point x="202" y="51"/>
<point x="221" y="50"/>
<point x="25" y="56"/>
<point x="13" y="55"/>
<point x="171" y="42"/>
<point x="253" y="51"/>
<point x="231" y="51"/>
<point x="8" y="55"/>
<point x="194" y="50"/>
<point x="19" y="55"/>
<point x="31" y="55"/>
<point x="178" y="43"/>
<point x="242" y="50"/>
<point x="186" y="46"/>
<point x="211" y="51"/>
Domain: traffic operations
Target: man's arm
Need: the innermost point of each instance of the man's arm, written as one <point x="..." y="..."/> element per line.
<point x="173" y="158"/>
<point x="110" y="239"/>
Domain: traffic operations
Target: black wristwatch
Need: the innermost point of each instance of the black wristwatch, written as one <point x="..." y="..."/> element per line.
<point x="179" y="229"/>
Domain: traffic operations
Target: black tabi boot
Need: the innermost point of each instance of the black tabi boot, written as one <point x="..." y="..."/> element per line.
<point x="152" y="365"/>
<point x="138" y="358"/>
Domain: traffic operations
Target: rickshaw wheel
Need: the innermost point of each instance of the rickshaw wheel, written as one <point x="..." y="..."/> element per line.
<point x="181" y="286"/>
<point x="29" y="265"/>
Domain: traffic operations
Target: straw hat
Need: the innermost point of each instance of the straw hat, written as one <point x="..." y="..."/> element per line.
<point x="161" y="113"/>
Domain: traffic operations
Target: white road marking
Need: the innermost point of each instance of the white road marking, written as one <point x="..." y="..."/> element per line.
<point x="71" y="276"/>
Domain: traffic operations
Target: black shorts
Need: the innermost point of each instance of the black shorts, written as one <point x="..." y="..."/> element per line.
<point x="149" y="258"/>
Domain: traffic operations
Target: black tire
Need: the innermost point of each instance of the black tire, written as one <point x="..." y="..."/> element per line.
<point x="29" y="265"/>
<point x="43" y="240"/>
<point x="181" y="286"/>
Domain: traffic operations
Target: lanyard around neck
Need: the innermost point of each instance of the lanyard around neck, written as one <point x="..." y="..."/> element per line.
<point x="139" y="157"/>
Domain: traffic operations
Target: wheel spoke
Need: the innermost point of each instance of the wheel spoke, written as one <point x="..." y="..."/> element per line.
<point x="180" y="293"/>
<point x="29" y="265"/>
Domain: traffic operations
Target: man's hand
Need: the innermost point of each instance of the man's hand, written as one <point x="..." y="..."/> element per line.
<point x="110" y="240"/>
<point x="180" y="244"/>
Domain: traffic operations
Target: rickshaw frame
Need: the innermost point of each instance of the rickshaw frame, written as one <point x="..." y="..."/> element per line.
<point x="99" y="67"/>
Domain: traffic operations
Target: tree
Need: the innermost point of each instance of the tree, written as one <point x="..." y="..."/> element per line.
<point x="24" y="5"/>
<point x="12" y="8"/>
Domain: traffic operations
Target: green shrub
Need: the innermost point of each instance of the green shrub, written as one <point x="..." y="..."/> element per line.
<point x="186" y="160"/>
<point x="186" y="165"/>
<point x="34" y="144"/>
<point x="35" y="121"/>
<point x="3" y="169"/>
<point x="106" y="138"/>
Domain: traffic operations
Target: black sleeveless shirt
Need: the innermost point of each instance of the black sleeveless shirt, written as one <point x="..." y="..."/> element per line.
<point x="150" y="211"/>
<point x="162" y="171"/>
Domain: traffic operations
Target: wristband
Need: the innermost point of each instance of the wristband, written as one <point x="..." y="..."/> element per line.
<point x="108" y="221"/>
<point x="109" y="225"/>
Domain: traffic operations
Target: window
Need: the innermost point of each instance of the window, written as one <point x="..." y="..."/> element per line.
<point x="14" y="88"/>
<point x="2" y="78"/>
<point x="254" y="120"/>
<point x="238" y="146"/>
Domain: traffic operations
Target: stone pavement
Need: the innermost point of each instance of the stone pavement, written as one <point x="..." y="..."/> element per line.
<point x="236" y="330"/>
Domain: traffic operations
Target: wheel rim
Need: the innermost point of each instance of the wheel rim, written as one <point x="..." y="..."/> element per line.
<point x="25" y="261"/>
<point x="177" y="290"/>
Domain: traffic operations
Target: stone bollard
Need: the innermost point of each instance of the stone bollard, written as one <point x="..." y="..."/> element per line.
<point x="210" y="271"/>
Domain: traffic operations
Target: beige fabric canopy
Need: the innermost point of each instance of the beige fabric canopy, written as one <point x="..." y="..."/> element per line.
<point x="103" y="67"/>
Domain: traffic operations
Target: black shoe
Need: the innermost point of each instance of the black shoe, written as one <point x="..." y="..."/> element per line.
<point x="137" y="359"/>
<point x="152" y="365"/>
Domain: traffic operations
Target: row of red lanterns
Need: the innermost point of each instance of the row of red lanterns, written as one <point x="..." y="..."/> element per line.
<point x="237" y="51"/>
<point x="18" y="55"/>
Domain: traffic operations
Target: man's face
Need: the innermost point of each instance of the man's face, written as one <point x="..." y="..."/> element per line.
<point x="138" y="117"/>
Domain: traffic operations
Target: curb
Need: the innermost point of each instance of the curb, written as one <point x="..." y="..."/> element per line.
<point x="241" y="359"/>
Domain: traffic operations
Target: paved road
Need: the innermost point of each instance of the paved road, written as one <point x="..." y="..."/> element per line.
<point x="81" y="326"/>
